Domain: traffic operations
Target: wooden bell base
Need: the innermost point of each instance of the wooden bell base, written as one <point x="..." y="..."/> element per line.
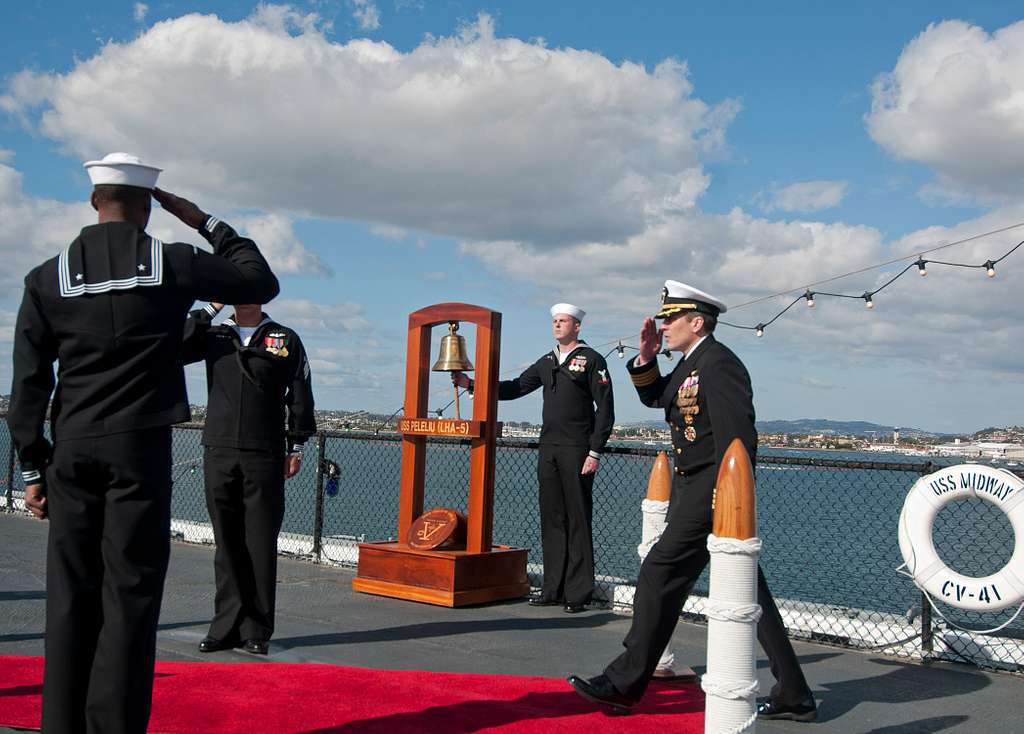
<point x="453" y="578"/>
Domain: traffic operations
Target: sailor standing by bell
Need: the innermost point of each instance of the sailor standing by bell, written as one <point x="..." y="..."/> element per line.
<point x="256" y="372"/>
<point x="110" y="310"/>
<point x="708" y="401"/>
<point x="578" y="417"/>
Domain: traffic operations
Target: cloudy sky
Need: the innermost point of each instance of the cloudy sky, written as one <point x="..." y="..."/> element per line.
<point x="392" y="154"/>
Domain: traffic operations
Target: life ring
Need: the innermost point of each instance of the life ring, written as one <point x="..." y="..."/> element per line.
<point x="931" y="493"/>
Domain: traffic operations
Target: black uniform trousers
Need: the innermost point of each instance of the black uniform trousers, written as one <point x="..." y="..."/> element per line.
<point x="566" y="505"/>
<point x="109" y="506"/>
<point x="245" y="498"/>
<point x="667" y="577"/>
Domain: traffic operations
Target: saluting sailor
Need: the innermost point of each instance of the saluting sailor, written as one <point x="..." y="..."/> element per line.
<point x="256" y="371"/>
<point x="578" y="416"/>
<point x="708" y="402"/>
<point x="110" y="310"/>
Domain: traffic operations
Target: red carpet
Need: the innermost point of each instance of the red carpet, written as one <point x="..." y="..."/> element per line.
<point x="275" y="698"/>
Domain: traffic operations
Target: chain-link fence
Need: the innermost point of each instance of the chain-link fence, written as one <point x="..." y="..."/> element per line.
<point x="829" y="528"/>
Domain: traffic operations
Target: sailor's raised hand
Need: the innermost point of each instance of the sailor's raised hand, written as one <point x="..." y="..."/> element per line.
<point x="182" y="208"/>
<point x="650" y="341"/>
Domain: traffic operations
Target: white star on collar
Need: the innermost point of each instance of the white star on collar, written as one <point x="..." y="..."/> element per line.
<point x="141" y="267"/>
<point x="78" y="276"/>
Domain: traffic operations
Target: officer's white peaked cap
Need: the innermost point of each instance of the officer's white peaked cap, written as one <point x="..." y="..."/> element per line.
<point x="676" y="296"/>
<point x="122" y="169"/>
<point x="567" y="308"/>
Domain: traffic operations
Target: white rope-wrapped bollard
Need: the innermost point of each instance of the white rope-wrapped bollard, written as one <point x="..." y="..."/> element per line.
<point x="654" y="521"/>
<point x="655" y="517"/>
<point x="730" y="683"/>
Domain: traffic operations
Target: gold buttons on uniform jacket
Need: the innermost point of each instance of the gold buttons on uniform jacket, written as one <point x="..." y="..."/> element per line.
<point x="679" y="451"/>
<point x="680" y="472"/>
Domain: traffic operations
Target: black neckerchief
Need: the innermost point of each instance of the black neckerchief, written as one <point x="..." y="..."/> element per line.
<point x="242" y="352"/>
<point x="556" y="365"/>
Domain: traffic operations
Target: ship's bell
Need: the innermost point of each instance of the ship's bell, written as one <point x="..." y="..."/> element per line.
<point x="453" y="352"/>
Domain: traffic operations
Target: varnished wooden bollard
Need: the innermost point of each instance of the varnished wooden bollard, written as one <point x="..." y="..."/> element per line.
<point x="659" y="486"/>
<point x="735" y="502"/>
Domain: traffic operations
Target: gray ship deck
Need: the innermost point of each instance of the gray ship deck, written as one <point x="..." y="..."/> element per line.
<point x="320" y="619"/>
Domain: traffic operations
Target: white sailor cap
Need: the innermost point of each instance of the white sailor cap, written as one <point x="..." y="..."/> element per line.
<point x="122" y="169"/>
<point x="676" y="296"/>
<point x="567" y="308"/>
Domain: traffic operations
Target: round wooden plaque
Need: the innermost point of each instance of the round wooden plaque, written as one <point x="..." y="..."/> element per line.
<point x="440" y="528"/>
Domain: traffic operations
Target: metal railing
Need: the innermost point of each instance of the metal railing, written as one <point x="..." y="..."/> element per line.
<point x="829" y="528"/>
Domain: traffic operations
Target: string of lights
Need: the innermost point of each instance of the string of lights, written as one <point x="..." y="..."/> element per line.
<point x="917" y="253"/>
<point x="620" y="346"/>
<point x="868" y="296"/>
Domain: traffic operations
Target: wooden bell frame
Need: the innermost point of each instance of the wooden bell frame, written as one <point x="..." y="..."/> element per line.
<point x="482" y="572"/>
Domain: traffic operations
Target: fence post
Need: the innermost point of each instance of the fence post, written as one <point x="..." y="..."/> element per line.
<point x="927" y="641"/>
<point x="9" y="504"/>
<point x="926" y="625"/>
<point x="318" y="512"/>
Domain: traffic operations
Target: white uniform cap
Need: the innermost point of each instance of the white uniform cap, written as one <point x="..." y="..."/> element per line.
<point x="676" y="296"/>
<point x="122" y="169"/>
<point x="568" y="308"/>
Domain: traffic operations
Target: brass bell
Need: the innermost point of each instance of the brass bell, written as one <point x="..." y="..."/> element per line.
<point x="453" y="352"/>
<point x="453" y="357"/>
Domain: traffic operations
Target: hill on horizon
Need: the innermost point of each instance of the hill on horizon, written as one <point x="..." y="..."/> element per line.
<point x="823" y="425"/>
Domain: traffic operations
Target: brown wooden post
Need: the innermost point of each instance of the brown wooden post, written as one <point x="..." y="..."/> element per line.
<point x="414" y="448"/>
<point x="482" y="454"/>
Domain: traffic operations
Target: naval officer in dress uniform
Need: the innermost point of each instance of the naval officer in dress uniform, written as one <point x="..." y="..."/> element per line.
<point x="110" y="310"/>
<point x="708" y="402"/>
<point x="573" y="435"/>
<point x="256" y="371"/>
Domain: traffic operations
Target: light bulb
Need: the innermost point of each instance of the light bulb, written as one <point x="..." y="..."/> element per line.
<point x="810" y="299"/>
<point x="867" y="301"/>
<point x="760" y="330"/>
<point x="921" y="269"/>
<point x="990" y="269"/>
<point x="621" y="350"/>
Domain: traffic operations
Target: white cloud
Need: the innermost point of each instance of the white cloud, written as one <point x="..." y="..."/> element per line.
<point x="398" y="234"/>
<point x="955" y="102"/>
<point x="7" y="321"/>
<point x="366" y="14"/>
<point x="139" y="12"/>
<point x="805" y="196"/>
<point x="817" y="383"/>
<point x="952" y="322"/>
<point x="278" y="242"/>
<point x="35" y="229"/>
<point x="306" y="316"/>
<point x="472" y="135"/>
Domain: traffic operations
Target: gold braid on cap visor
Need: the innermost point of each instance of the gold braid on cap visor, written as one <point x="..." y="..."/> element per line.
<point x="668" y="309"/>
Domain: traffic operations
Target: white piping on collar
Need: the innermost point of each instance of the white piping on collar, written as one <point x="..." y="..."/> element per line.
<point x="156" y="276"/>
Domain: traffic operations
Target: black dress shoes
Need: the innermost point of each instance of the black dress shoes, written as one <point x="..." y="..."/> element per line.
<point x="212" y="644"/>
<point x="571" y="608"/>
<point x="806" y="710"/>
<point x="544" y="601"/>
<point x="256" y="647"/>
<point x="600" y="690"/>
